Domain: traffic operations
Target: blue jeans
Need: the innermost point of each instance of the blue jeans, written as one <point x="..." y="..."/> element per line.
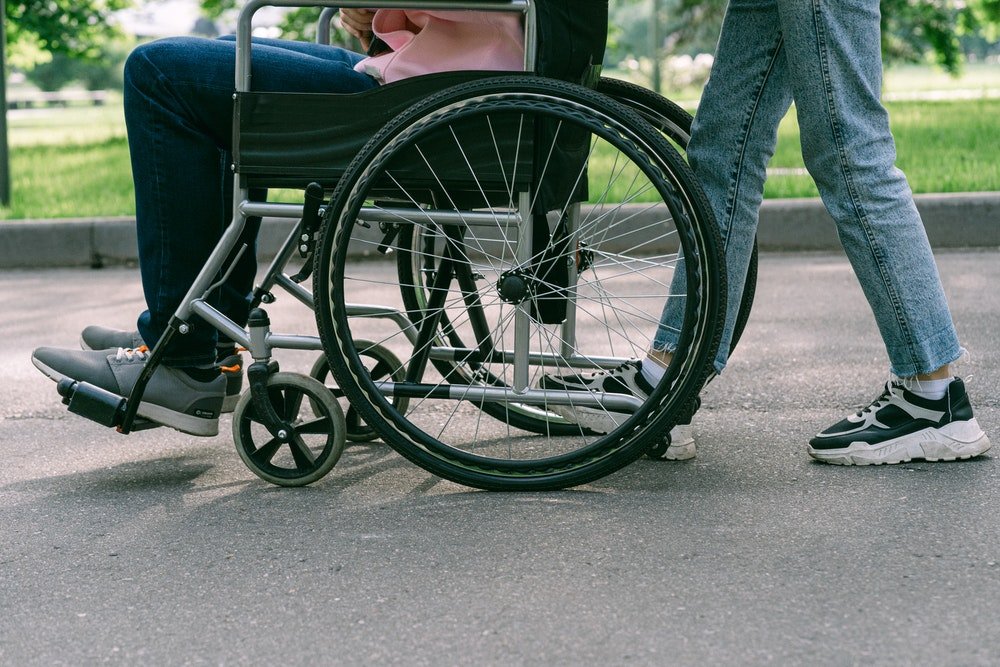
<point x="179" y="115"/>
<point x="825" y="55"/>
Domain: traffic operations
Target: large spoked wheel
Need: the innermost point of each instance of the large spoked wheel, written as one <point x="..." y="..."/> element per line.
<point x="675" y="124"/>
<point x="512" y="281"/>
<point x="382" y="365"/>
<point x="309" y="448"/>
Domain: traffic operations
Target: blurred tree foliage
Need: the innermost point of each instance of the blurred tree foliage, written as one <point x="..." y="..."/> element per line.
<point x="104" y="73"/>
<point x="298" y="23"/>
<point x="77" y="28"/>
<point x="911" y="29"/>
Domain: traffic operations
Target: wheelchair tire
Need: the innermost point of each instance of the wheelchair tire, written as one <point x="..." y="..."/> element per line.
<point x="675" y="123"/>
<point x="382" y="364"/>
<point x="480" y="294"/>
<point x="315" y="443"/>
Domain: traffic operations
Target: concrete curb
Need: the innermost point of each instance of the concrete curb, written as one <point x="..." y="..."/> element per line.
<point x="963" y="220"/>
<point x="966" y="220"/>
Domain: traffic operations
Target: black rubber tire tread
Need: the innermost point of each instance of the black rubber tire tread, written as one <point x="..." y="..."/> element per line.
<point x="623" y="445"/>
<point x="545" y="474"/>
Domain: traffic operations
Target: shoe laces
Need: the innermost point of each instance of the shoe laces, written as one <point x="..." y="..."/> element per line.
<point x="622" y="367"/>
<point x="884" y="398"/>
<point x="127" y="354"/>
<point x="617" y="372"/>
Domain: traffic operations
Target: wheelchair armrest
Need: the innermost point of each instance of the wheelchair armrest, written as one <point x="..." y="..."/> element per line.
<point x="323" y="28"/>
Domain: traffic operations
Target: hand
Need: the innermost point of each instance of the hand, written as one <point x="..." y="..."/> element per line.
<point x="358" y="22"/>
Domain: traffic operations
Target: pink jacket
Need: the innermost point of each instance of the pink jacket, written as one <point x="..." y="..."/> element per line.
<point x="424" y="42"/>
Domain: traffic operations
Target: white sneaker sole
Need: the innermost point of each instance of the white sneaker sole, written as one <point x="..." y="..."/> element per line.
<point x="177" y="420"/>
<point x="681" y="448"/>
<point x="598" y="421"/>
<point x="951" y="442"/>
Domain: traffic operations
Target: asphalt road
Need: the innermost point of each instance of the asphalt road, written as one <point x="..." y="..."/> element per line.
<point x="158" y="548"/>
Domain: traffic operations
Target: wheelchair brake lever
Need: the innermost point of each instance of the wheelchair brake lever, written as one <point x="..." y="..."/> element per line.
<point x="309" y="226"/>
<point x="391" y="232"/>
<point x="310" y="218"/>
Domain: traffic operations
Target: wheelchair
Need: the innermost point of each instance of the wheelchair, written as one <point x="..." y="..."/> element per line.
<point x="465" y="235"/>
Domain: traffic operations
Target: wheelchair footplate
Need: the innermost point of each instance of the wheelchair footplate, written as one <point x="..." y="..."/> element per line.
<point x="99" y="405"/>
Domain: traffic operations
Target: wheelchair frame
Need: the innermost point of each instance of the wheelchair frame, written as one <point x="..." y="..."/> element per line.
<point x="260" y="341"/>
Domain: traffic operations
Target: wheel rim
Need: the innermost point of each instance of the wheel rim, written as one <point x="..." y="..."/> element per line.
<point x="501" y="450"/>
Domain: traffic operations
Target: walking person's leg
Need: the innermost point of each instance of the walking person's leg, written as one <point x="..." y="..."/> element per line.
<point x="732" y="139"/>
<point x="827" y="56"/>
<point x="835" y="66"/>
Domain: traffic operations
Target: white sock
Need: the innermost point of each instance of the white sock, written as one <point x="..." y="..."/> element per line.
<point x="652" y="371"/>
<point x="933" y="390"/>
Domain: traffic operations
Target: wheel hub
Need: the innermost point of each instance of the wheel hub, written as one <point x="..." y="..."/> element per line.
<point x="514" y="286"/>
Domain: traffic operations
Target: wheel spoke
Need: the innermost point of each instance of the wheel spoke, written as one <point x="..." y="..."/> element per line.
<point x="277" y="398"/>
<point x="318" y="426"/>
<point x="293" y="402"/>
<point x="304" y="458"/>
<point x="478" y="262"/>
<point x="266" y="452"/>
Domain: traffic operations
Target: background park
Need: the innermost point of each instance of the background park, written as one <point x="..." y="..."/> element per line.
<point x="68" y="154"/>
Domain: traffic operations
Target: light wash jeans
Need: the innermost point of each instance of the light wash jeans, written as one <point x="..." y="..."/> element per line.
<point x="825" y="55"/>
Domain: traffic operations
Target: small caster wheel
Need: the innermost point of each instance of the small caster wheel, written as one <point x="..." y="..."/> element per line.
<point x="313" y="443"/>
<point x="659" y="448"/>
<point x="382" y="365"/>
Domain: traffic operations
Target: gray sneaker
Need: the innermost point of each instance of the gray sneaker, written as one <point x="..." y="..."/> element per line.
<point x="106" y="338"/>
<point x="172" y="397"/>
<point x="97" y="337"/>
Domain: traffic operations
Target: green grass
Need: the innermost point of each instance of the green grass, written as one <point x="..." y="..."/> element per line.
<point x="913" y="78"/>
<point x="67" y="126"/>
<point x="70" y="162"/>
<point x="74" y="162"/>
<point x="941" y="147"/>
<point x="69" y="181"/>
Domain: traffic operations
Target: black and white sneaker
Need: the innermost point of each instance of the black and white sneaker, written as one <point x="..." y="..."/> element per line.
<point x="625" y="379"/>
<point x="900" y="426"/>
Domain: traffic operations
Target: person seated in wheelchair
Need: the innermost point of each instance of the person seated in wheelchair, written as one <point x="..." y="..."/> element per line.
<point x="179" y="115"/>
